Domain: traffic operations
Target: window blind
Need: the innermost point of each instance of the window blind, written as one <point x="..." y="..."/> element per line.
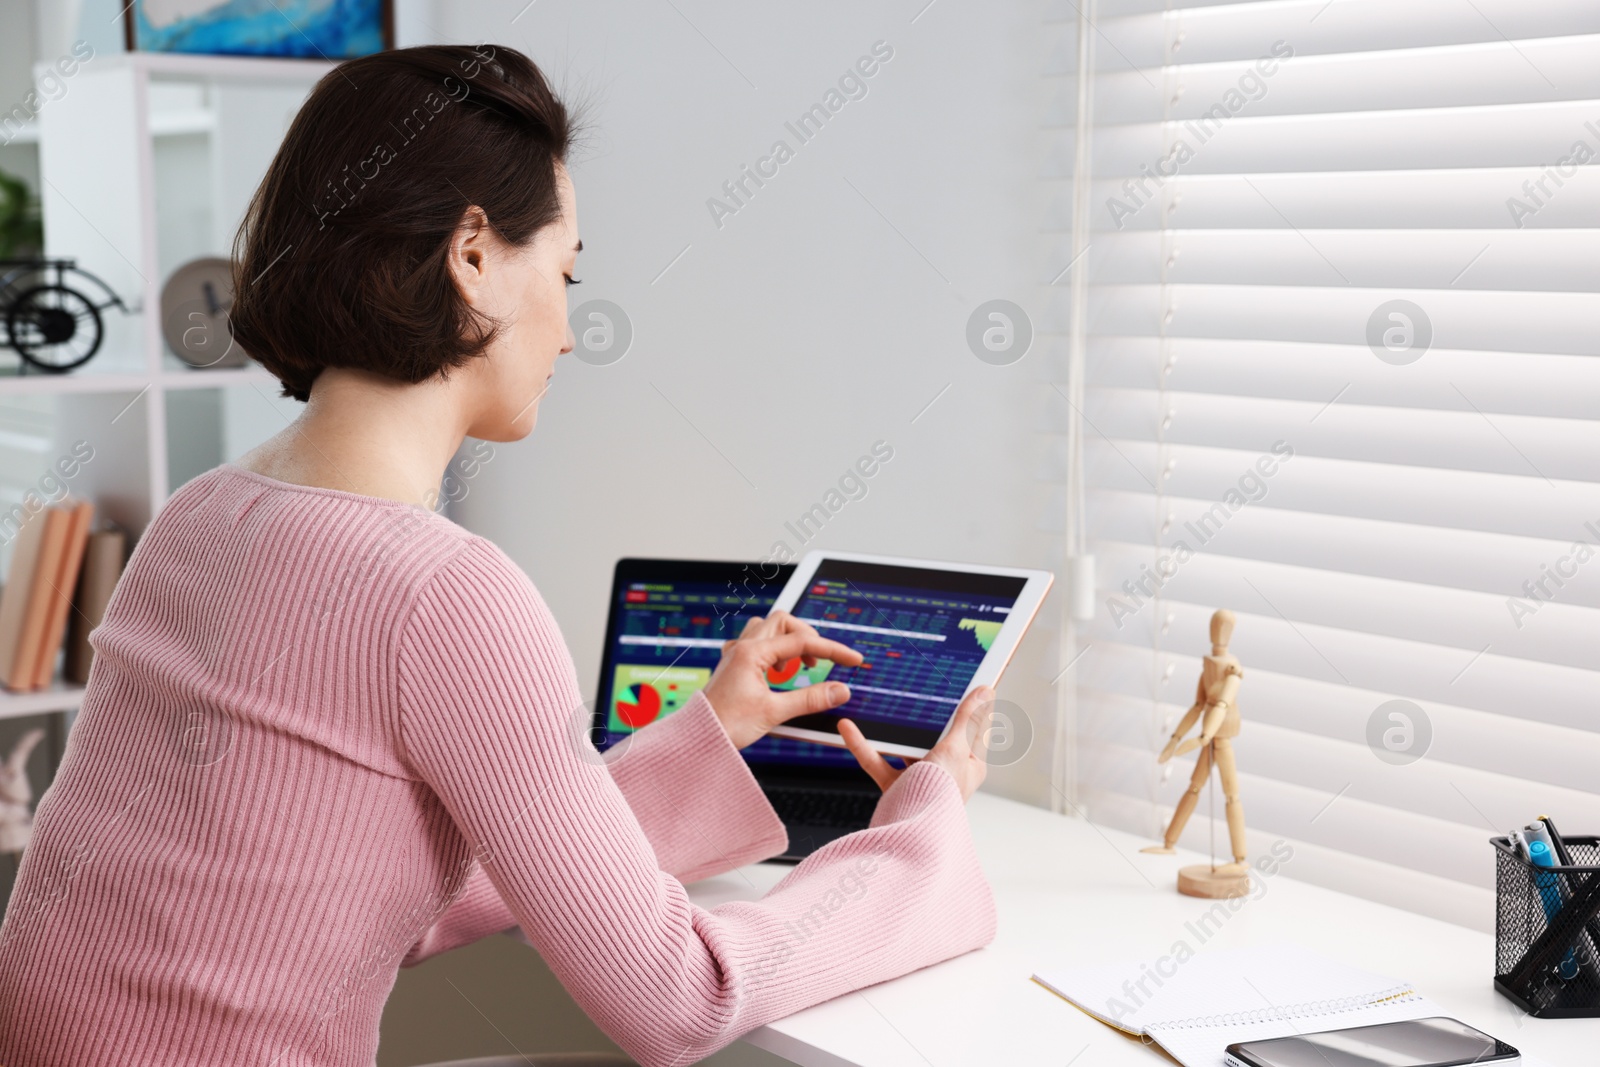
<point x="1340" y="377"/>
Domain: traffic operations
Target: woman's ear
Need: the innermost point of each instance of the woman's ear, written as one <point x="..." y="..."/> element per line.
<point x="469" y="253"/>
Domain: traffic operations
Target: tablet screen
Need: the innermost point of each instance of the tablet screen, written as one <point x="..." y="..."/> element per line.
<point x="923" y="632"/>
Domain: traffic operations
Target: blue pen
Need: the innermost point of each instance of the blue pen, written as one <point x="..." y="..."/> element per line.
<point x="1541" y="852"/>
<point x="1547" y="891"/>
<point x="1588" y="949"/>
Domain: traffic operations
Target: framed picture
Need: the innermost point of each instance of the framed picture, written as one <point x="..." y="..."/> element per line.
<point x="305" y="29"/>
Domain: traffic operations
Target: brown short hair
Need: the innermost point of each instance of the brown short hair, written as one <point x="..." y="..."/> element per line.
<point x="341" y="258"/>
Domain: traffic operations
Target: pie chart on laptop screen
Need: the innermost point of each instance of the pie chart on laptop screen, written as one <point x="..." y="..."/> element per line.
<point x="784" y="671"/>
<point x="639" y="704"/>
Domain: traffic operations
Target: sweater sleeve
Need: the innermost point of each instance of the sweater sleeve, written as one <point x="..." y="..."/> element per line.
<point x="699" y="806"/>
<point x="486" y="696"/>
<point x="694" y="796"/>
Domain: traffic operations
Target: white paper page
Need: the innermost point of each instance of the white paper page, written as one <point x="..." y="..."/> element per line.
<point x="1139" y="994"/>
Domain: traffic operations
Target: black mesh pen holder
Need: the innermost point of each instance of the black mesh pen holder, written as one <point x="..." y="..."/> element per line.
<point x="1547" y="931"/>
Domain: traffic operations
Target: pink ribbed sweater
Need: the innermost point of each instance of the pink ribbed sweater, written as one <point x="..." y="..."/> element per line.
<point x="328" y="735"/>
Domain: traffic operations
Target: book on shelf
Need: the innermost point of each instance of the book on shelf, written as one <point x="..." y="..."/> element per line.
<point x="40" y="592"/>
<point x="30" y="640"/>
<point x="58" y="593"/>
<point x="19" y="584"/>
<point x="103" y="560"/>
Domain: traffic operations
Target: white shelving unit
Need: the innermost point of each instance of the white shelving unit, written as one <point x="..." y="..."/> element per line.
<point x="146" y="162"/>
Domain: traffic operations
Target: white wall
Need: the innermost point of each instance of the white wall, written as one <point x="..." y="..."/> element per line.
<point x="813" y="323"/>
<point x="16" y="81"/>
<point x="16" y="50"/>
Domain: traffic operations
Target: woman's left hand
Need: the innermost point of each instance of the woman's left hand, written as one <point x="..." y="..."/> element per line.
<point x="740" y="693"/>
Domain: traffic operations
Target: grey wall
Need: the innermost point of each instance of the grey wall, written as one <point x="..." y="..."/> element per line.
<point x="822" y="317"/>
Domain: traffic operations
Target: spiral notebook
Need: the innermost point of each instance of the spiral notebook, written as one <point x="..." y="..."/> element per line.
<point x="1197" y="1005"/>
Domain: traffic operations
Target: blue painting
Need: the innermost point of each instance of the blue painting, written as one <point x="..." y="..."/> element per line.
<point x="308" y="29"/>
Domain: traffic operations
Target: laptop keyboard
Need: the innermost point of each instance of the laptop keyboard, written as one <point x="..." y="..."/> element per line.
<point x="844" y="809"/>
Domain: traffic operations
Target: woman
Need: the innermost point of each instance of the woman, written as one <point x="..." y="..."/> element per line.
<point x="330" y="733"/>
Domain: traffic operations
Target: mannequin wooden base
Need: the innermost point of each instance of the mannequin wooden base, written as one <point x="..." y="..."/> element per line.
<point x="1214" y="883"/>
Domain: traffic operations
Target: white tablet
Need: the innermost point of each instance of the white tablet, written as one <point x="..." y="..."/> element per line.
<point x="930" y="632"/>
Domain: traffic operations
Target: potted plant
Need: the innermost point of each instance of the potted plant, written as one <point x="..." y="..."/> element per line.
<point x="21" y="227"/>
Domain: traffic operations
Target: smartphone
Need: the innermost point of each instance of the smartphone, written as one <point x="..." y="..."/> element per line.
<point x="1435" y="1042"/>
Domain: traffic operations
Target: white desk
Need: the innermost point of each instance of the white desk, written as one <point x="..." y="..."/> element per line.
<point x="1069" y="892"/>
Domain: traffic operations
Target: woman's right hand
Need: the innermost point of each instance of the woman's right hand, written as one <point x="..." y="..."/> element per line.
<point x="961" y="751"/>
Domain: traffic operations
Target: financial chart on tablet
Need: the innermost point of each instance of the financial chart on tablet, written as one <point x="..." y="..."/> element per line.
<point x="923" y="634"/>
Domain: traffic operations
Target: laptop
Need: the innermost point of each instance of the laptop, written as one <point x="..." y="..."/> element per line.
<point x="664" y="634"/>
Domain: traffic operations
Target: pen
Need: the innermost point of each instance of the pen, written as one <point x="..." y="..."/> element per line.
<point x="1549" y="894"/>
<point x="1564" y="858"/>
<point x="1542" y="852"/>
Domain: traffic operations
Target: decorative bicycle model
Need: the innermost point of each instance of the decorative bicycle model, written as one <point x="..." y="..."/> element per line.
<point x="54" y="325"/>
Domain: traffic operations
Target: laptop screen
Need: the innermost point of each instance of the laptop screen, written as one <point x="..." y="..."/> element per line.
<point x="664" y="636"/>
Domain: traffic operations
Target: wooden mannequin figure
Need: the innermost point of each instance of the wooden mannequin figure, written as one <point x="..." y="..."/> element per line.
<point x="1216" y="708"/>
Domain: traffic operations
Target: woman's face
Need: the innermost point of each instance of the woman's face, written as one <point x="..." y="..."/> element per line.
<point x="524" y="289"/>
